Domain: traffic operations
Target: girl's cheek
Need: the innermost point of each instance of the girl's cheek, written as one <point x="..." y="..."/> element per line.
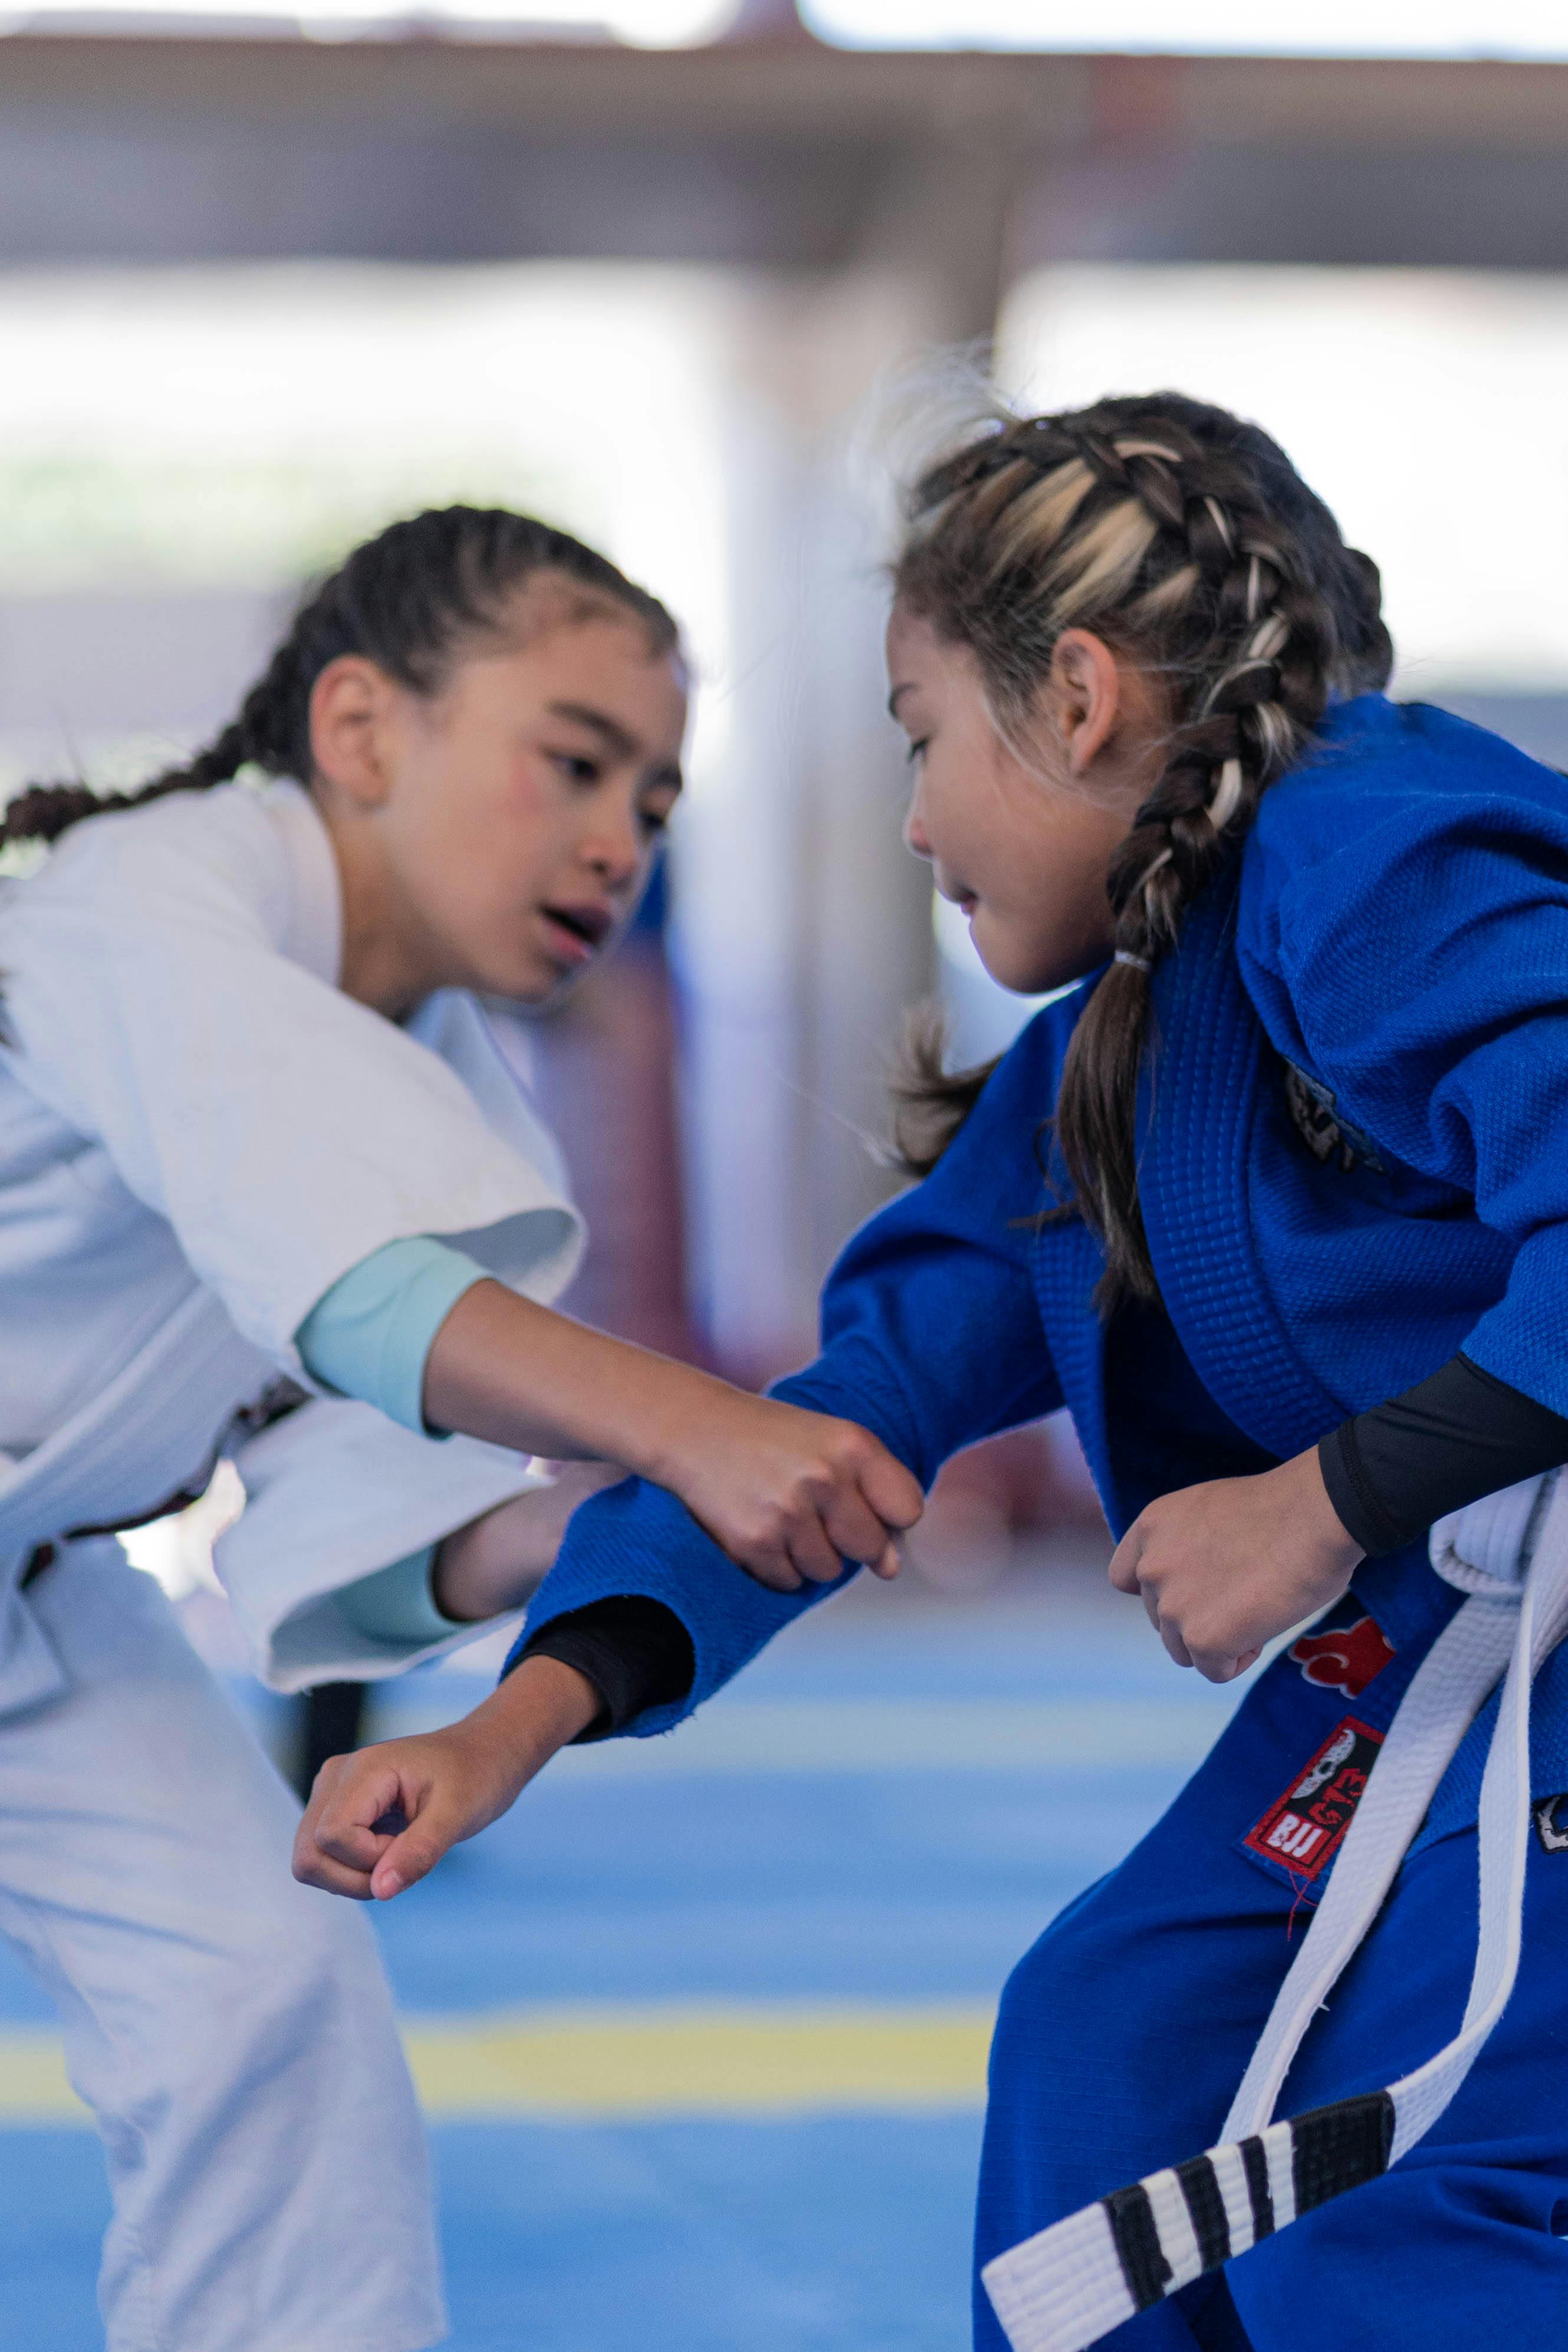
<point x="534" y="789"/>
<point x="936" y="822"/>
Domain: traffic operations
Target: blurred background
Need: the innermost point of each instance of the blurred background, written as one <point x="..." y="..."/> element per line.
<point x="701" y="2027"/>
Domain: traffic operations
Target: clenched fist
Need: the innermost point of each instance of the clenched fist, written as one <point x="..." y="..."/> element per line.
<point x="1224" y="1567"/>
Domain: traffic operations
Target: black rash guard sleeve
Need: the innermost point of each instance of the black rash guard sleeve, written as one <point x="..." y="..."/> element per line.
<point x="1445" y="1443"/>
<point x="635" y="1653"/>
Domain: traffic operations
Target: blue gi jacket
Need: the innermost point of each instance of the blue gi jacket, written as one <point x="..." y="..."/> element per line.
<point x="1396" y="934"/>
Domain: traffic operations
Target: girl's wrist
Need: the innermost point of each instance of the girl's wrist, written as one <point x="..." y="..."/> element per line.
<point x="540" y="1708"/>
<point x="1338" y="1554"/>
<point x="651" y="1434"/>
<point x="1338" y="1542"/>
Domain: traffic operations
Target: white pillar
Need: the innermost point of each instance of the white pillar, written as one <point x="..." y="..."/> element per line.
<point x="801" y="932"/>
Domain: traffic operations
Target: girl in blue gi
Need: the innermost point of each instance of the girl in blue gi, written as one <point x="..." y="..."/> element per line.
<point x="1277" y="1203"/>
<point x="269" y="1185"/>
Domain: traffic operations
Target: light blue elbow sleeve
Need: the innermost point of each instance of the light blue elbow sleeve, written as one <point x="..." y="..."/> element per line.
<point x="369" y="1336"/>
<point x="397" y="1604"/>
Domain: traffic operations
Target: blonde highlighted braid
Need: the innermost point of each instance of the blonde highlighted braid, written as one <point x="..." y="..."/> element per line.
<point x="1187" y="540"/>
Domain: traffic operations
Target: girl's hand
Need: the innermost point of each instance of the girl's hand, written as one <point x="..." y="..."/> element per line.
<point x="789" y="1495"/>
<point x="438" y="1788"/>
<point x="1222" y="1567"/>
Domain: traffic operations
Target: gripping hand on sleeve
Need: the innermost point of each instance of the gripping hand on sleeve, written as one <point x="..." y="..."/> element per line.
<point x="789" y="1495"/>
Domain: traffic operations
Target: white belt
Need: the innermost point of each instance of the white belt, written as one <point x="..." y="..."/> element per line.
<point x="1064" y="2288"/>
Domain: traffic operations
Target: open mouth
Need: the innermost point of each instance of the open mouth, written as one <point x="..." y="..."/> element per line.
<point x="580" y="931"/>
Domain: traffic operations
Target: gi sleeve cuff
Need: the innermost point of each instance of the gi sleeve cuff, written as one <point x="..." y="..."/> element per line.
<point x="635" y="1653"/>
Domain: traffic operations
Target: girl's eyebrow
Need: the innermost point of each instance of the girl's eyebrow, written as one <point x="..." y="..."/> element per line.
<point x="610" y="731"/>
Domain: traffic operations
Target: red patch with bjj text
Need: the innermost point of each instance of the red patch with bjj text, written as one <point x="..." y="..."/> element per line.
<point x="1346" y="1659"/>
<point x="1304" y="1830"/>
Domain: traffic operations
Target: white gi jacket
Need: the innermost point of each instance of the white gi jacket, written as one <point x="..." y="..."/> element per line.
<point x="199" y="1134"/>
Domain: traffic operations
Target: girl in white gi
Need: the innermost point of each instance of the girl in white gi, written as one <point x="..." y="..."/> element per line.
<point x="261" y="1153"/>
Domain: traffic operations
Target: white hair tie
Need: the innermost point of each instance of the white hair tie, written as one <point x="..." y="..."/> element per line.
<point x="1139" y="963"/>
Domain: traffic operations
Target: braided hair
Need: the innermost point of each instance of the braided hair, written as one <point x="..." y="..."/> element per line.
<point x="408" y="600"/>
<point x="1185" y="538"/>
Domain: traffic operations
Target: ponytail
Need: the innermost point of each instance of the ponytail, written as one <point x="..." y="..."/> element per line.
<point x="930" y="1102"/>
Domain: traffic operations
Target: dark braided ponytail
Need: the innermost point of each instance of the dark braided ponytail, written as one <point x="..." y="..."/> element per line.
<point x="1187" y="541"/>
<point x="409" y="600"/>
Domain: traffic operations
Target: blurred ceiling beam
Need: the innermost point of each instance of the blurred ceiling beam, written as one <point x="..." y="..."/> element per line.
<point x="770" y="150"/>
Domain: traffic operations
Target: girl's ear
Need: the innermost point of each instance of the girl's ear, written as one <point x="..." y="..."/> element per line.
<point x="350" y="718"/>
<point x="1084" y="696"/>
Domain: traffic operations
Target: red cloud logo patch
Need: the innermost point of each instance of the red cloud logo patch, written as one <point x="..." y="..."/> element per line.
<point x="1346" y="1659"/>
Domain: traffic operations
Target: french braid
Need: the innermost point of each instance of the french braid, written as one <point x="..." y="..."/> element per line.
<point x="409" y="600"/>
<point x="1186" y="539"/>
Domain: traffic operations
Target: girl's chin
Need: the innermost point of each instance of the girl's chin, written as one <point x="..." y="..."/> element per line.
<point x="1024" y="968"/>
<point x="519" y="980"/>
<point x="1019" y="974"/>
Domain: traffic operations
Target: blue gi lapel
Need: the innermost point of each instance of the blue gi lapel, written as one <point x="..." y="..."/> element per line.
<point x="1207" y="1087"/>
<point x="1205" y="1095"/>
<point x="1066" y="1262"/>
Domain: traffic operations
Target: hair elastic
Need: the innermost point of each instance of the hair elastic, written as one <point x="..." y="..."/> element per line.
<point x="1138" y="963"/>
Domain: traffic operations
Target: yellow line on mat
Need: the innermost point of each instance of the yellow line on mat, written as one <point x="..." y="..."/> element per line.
<point x="762" y="2060"/>
<point x="704" y="2061"/>
<point x="33" y="2085"/>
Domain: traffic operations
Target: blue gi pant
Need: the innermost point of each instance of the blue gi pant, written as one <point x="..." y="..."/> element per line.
<point x="1124" y="2032"/>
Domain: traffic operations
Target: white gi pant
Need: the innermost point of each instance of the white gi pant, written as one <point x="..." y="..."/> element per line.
<point x="231" y="2029"/>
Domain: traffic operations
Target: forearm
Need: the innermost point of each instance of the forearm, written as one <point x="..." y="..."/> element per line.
<point x="520" y="1375"/>
<point x="495" y="1562"/>
<point x="788" y="1494"/>
<point x="540" y="1709"/>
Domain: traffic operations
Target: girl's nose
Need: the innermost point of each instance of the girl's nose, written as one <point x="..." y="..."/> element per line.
<point x="914" y="834"/>
<point x="615" y="849"/>
<point x="616" y="863"/>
